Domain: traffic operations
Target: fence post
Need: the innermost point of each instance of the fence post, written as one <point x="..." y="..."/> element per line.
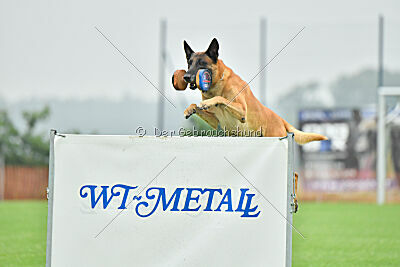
<point x="263" y="60"/>
<point x="381" y="169"/>
<point x="161" y="73"/>
<point x="290" y="197"/>
<point x="50" y="194"/>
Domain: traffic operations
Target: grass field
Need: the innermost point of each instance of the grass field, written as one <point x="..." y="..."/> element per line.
<point x="336" y="234"/>
<point x="23" y="233"/>
<point x="350" y="234"/>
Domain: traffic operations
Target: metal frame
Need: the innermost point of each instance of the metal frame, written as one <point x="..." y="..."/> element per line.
<point x="289" y="206"/>
<point x="50" y="197"/>
<point x="290" y="199"/>
<point x="383" y="92"/>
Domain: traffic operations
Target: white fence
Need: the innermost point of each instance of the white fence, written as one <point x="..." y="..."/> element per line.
<point x="180" y="201"/>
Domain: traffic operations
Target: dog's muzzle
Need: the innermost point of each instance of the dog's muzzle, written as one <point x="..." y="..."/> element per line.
<point x="191" y="80"/>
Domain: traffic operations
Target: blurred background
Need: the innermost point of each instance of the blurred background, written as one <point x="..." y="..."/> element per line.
<point x="57" y="71"/>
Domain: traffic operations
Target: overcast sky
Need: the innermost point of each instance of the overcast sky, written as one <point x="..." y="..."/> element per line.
<point x="51" y="49"/>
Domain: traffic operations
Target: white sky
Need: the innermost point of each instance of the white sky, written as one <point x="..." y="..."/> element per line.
<point x="50" y="48"/>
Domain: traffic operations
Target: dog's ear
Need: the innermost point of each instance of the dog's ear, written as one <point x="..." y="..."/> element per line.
<point x="212" y="50"/>
<point x="189" y="51"/>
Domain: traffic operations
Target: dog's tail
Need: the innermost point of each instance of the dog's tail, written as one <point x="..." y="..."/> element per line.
<point x="301" y="137"/>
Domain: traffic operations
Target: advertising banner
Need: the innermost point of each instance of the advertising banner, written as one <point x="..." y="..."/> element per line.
<point x="347" y="161"/>
<point x="176" y="201"/>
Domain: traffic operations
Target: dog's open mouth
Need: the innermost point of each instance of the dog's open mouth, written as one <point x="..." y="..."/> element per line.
<point x="192" y="86"/>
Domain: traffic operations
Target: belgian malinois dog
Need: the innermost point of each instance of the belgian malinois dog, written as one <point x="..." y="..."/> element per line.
<point x="229" y="103"/>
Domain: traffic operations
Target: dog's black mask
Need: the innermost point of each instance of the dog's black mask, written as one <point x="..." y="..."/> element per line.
<point x="199" y="60"/>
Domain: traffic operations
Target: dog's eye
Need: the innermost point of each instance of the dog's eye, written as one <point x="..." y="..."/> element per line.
<point x="190" y="62"/>
<point x="202" y="63"/>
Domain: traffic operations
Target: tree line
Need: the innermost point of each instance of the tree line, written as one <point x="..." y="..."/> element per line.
<point x="24" y="147"/>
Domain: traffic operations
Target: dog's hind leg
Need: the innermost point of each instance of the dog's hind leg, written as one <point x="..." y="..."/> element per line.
<point x="209" y="118"/>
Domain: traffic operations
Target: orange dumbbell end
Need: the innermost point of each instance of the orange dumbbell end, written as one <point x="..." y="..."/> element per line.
<point x="178" y="81"/>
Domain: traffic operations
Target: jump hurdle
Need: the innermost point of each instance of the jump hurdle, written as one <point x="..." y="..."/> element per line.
<point x="176" y="201"/>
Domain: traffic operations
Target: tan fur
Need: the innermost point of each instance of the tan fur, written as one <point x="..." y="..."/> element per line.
<point x="223" y="104"/>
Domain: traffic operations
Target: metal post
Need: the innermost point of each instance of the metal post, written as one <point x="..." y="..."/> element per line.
<point x="161" y="73"/>
<point x="381" y="168"/>
<point x="50" y="197"/>
<point x="290" y="196"/>
<point x="381" y="130"/>
<point x="263" y="60"/>
<point x="380" y="52"/>
<point x="2" y="178"/>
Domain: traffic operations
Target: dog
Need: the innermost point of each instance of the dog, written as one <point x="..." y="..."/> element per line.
<point x="230" y="104"/>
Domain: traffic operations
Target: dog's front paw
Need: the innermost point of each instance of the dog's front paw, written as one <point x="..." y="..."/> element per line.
<point x="207" y="104"/>
<point x="190" y="111"/>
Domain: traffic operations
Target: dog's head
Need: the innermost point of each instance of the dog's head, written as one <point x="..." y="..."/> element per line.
<point x="200" y="60"/>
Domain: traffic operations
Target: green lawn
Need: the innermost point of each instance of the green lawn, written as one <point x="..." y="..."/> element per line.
<point x="23" y="233"/>
<point x="350" y="234"/>
<point x="336" y="234"/>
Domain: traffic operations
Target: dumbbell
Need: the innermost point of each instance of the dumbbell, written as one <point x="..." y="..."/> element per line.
<point x="203" y="80"/>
